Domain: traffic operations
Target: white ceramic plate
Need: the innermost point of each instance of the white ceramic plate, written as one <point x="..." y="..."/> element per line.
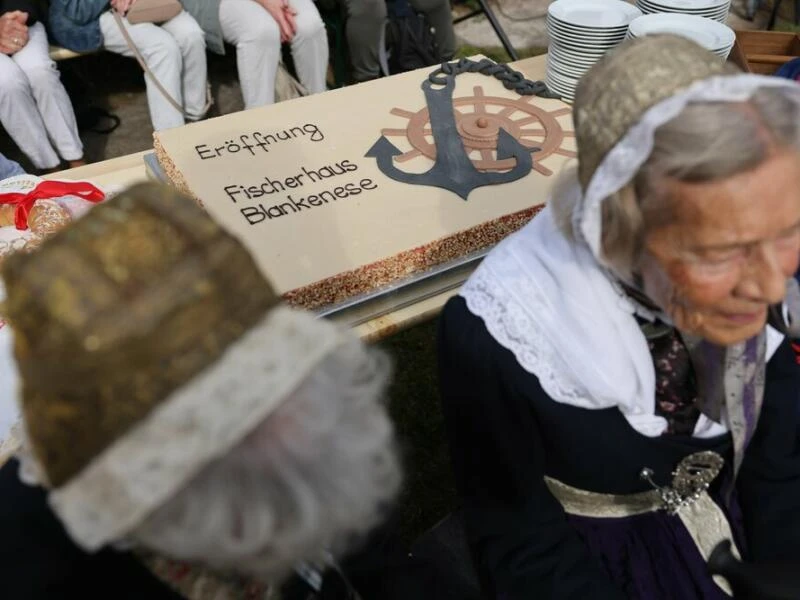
<point x="565" y="81"/>
<point x="593" y="34"/>
<point x="705" y="32"/>
<point x="723" y="52"/>
<point x="594" y="13"/>
<point x="689" y="6"/>
<point x="569" y="69"/>
<point x="559" y="70"/>
<point x="585" y="39"/>
<point x="573" y="59"/>
<point x="719" y="19"/>
<point x="566" y="93"/>
<point x="565" y="68"/>
<point x="648" y="9"/>
<point x="587" y="44"/>
<point x="587" y="30"/>
<point x="581" y="46"/>
<point x="667" y="8"/>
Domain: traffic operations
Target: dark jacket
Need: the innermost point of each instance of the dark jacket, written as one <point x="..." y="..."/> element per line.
<point x="506" y="433"/>
<point x="75" y="24"/>
<point x="39" y="561"/>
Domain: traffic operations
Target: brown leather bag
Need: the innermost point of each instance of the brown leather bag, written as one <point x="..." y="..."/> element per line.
<point x="153" y="11"/>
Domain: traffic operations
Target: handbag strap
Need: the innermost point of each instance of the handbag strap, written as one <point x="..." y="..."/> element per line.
<point x="149" y="73"/>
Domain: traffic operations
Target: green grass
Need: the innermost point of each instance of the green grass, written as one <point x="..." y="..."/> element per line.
<point x="429" y="493"/>
<point x="783" y="25"/>
<point x="497" y="53"/>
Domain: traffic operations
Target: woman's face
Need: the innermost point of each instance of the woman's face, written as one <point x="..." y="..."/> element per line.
<point x="726" y="252"/>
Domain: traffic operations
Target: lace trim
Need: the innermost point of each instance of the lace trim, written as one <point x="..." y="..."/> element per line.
<point x="195" y="425"/>
<point x="511" y="325"/>
<point x="625" y="159"/>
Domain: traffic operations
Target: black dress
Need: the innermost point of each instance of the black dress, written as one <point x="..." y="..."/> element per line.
<point x="507" y="435"/>
<point x="38" y="561"/>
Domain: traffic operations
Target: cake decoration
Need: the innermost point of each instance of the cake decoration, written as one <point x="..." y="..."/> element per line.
<point x="504" y="155"/>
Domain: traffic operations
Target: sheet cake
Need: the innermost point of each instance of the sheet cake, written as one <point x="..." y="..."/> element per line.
<point x="296" y="181"/>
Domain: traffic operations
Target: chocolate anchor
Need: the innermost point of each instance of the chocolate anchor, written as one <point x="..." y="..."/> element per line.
<point x="453" y="170"/>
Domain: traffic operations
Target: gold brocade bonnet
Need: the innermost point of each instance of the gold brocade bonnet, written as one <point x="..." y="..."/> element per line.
<point x="148" y="344"/>
<point x="118" y="311"/>
<point x="619" y="89"/>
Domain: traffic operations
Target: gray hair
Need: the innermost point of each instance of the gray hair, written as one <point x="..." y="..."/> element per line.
<point x="705" y="142"/>
<point x="317" y="474"/>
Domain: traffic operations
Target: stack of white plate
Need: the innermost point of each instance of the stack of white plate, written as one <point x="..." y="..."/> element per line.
<point x="712" y="35"/>
<point x="581" y="32"/>
<point x="711" y="9"/>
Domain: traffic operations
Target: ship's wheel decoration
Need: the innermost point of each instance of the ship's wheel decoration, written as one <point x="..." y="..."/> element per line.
<point x="474" y="140"/>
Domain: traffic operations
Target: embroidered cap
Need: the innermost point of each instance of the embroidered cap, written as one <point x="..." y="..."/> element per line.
<point x="619" y="89"/>
<point x="145" y="337"/>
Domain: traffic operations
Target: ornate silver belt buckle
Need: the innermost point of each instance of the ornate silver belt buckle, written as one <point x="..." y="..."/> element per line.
<point x="693" y="476"/>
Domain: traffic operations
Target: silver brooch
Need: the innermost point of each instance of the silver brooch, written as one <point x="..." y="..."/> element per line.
<point x="690" y="479"/>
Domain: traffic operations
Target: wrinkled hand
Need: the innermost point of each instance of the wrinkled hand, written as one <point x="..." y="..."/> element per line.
<point x="284" y="17"/>
<point x="122" y="6"/>
<point x="290" y="13"/>
<point x="13" y="32"/>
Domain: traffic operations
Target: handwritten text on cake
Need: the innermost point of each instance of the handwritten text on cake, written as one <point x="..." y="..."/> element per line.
<point x="293" y="202"/>
<point x="251" y="142"/>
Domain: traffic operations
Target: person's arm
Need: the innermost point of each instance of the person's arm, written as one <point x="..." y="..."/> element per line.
<point x="9" y="168"/>
<point x="521" y="542"/>
<point x="769" y="480"/>
<point x="82" y="12"/>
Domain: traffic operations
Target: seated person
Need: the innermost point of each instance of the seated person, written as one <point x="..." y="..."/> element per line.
<point x="366" y="21"/>
<point x="174" y="51"/>
<point x="35" y="109"/>
<point x="184" y="434"/>
<point x="617" y="380"/>
<point x="258" y="28"/>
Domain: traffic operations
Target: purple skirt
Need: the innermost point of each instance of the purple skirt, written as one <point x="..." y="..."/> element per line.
<point x="650" y="556"/>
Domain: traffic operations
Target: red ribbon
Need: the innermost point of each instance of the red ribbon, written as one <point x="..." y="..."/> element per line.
<point x="45" y="190"/>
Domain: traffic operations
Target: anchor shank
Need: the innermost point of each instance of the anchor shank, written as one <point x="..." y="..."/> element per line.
<point x="451" y="157"/>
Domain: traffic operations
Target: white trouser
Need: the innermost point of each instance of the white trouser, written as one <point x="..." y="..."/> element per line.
<point x="34" y="106"/>
<point x="176" y="54"/>
<point x="254" y="32"/>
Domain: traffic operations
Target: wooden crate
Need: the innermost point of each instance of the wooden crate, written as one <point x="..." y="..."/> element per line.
<point x="738" y="57"/>
<point x="764" y="51"/>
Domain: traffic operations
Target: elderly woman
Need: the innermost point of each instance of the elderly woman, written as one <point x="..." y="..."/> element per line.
<point x="258" y="29"/>
<point x="192" y="437"/>
<point x="35" y="109"/>
<point x="619" y="392"/>
<point x="175" y="52"/>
